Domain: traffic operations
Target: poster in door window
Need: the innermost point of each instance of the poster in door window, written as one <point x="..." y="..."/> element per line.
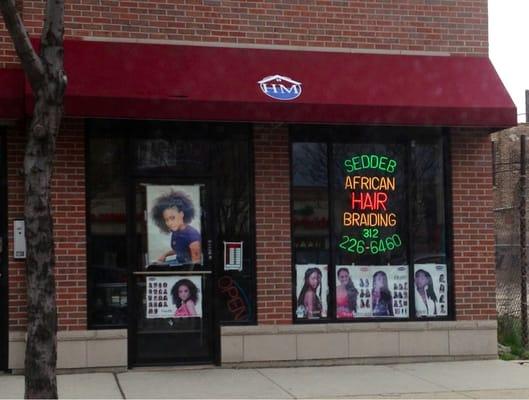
<point x="173" y="296"/>
<point x="372" y="291"/>
<point x="430" y="284"/>
<point x="311" y="291"/>
<point x="173" y="225"/>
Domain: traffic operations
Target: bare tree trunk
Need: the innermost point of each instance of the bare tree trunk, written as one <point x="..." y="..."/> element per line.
<point x="41" y="348"/>
<point x="48" y="82"/>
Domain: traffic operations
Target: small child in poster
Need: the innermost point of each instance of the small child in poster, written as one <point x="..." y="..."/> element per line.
<point x="173" y="231"/>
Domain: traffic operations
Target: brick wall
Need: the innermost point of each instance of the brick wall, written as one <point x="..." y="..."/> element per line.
<point x="15" y="210"/>
<point x="455" y="26"/>
<point x="7" y="51"/>
<point x="474" y="261"/>
<point x="272" y="205"/>
<point x="474" y="271"/>
<point x="458" y="27"/>
<point x="473" y="226"/>
<point x="68" y="201"/>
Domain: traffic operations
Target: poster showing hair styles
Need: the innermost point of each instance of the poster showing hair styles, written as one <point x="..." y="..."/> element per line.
<point x="372" y="291"/>
<point x="431" y="290"/>
<point x="173" y="296"/>
<point x="312" y="290"/>
<point x="173" y="225"/>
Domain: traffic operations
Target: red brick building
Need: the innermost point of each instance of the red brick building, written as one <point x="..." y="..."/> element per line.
<point x="328" y="163"/>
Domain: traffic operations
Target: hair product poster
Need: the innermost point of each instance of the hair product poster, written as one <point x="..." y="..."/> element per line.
<point x="431" y="290"/>
<point x="173" y="225"/>
<point x="381" y="291"/>
<point x="312" y="290"/>
<point x="173" y="296"/>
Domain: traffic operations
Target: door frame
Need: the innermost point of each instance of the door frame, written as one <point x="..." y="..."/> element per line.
<point x="4" y="287"/>
<point x="132" y="243"/>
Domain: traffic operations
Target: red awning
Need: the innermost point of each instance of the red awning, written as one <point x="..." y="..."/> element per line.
<point x="11" y="93"/>
<point x="152" y="81"/>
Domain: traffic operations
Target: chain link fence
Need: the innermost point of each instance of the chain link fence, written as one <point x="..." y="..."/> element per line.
<point x="506" y="150"/>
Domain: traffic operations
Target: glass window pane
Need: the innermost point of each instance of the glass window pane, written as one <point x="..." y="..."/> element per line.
<point x="107" y="241"/>
<point x="181" y="156"/>
<point x="235" y="297"/>
<point x="370" y="208"/>
<point x="220" y="155"/>
<point x="231" y="166"/>
<point x="369" y="194"/>
<point x="310" y="221"/>
<point x="380" y="193"/>
<point x="310" y="216"/>
<point x="430" y="271"/>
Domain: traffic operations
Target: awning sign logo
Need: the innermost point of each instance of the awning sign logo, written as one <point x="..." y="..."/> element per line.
<point x="280" y="87"/>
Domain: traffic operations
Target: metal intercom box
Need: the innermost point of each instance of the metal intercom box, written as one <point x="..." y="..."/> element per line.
<point x="19" y="239"/>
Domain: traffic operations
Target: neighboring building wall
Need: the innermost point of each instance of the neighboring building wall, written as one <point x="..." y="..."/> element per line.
<point x="507" y="197"/>
<point x="507" y="160"/>
<point x="69" y="212"/>
<point x="473" y="225"/>
<point x="455" y="27"/>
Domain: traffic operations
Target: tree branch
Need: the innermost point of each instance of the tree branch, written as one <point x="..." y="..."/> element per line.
<point x="28" y="57"/>
<point x="53" y="30"/>
<point x="52" y="49"/>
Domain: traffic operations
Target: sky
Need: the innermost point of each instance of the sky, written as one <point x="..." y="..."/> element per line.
<point x="509" y="47"/>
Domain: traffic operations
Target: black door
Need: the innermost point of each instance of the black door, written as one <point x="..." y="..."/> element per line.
<point x="3" y="258"/>
<point x="171" y="304"/>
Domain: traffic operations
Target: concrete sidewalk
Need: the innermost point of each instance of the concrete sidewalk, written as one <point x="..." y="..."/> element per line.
<point x="463" y="379"/>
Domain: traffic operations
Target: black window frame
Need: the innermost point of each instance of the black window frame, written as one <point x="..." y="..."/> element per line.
<point x="330" y="134"/>
<point x="131" y="130"/>
<point x="4" y="261"/>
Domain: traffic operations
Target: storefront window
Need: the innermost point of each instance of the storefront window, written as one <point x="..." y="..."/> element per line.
<point x="184" y="157"/>
<point x="428" y="229"/>
<point x="107" y="253"/>
<point x="127" y="157"/>
<point x="369" y="194"/>
<point x="310" y="219"/>
<point x="382" y="253"/>
<point x="235" y="287"/>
